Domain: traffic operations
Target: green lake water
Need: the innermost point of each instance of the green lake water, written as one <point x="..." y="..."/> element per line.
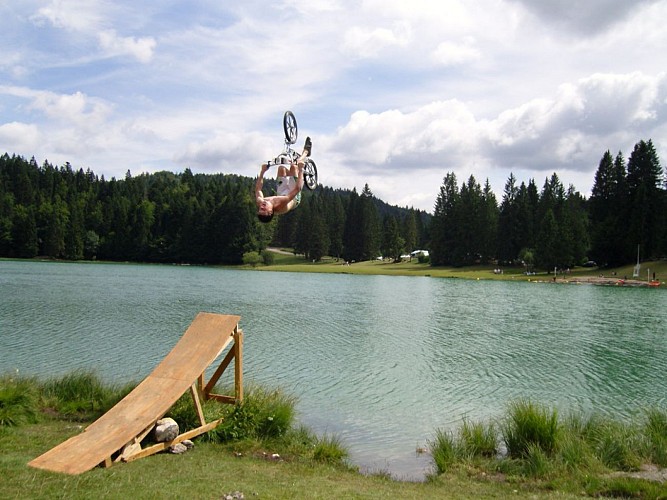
<point x="380" y="361"/>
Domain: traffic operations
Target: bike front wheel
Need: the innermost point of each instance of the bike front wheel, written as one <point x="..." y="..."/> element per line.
<point x="310" y="174"/>
<point x="290" y="127"/>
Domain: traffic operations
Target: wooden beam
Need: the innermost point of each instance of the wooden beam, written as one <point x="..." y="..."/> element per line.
<point x="223" y="399"/>
<point x="156" y="448"/>
<point x="220" y="370"/>
<point x="238" y="364"/>
<point x="134" y="445"/>
<point x="195" y="398"/>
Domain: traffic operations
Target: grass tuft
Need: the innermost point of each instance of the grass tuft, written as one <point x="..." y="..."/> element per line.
<point x="477" y="439"/>
<point x="18" y="401"/>
<point x="536" y="461"/>
<point x="529" y="424"/>
<point x="443" y="450"/>
<point x="615" y="444"/>
<point x="329" y="449"/>
<point x="81" y="395"/>
<point x="655" y="432"/>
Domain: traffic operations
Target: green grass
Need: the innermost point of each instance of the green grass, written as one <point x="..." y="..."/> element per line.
<point x="655" y="432"/>
<point x="593" y="454"/>
<point x="478" y="439"/>
<point x="262" y="453"/>
<point x="19" y="398"/>
<point x="444" y="450"/>
<point x="81" y="395"/>
<point x="264" y="414"/>
<point x="211" y="470"/>
<point x="529" y="427"/>
<point x="297" y="263"/>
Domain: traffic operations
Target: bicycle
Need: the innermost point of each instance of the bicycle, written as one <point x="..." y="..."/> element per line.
<point x="289" y="155"/>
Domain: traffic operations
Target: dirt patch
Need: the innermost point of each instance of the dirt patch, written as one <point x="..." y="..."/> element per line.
<point x="649" y="472"/>
<point x="612" y="281"/>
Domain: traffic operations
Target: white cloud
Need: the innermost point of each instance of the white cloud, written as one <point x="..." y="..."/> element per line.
<point x="365" y="42"/>
<point x="21" y="136"/>
<point x="449" y="53"/>
<point x="74" y="15"/>
<point x="141" y="48"/>
<point x="77" y="109"/>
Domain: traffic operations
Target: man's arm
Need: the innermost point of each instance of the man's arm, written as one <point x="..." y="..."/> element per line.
<point x="259" y="183"/>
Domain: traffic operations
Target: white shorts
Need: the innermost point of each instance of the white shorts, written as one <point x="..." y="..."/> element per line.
<point x="285" y="185"/>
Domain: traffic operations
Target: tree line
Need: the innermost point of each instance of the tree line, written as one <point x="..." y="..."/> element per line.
<point x="64" y="213"/>
<point x="556" y="226"/>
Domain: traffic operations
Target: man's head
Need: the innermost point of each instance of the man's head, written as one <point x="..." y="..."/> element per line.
<point x="265" y="211"/>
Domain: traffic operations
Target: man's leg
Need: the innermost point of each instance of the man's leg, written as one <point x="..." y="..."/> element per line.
<point x="302" y="158"/>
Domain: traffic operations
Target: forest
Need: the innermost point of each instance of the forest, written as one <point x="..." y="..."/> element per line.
<point x="61" y="212"/>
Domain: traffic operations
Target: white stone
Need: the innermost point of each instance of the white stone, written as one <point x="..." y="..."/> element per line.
<point x="166" y="430"/>
<point x="178" y="448"/>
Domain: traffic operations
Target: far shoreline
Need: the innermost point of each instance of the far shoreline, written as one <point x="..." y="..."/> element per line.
<point x="289" y="262"/>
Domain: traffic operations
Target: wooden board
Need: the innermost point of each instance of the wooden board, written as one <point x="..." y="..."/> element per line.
<point x="200" y="345"/>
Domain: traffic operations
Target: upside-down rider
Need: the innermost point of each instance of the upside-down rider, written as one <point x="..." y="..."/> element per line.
<point x="290" y="184"/>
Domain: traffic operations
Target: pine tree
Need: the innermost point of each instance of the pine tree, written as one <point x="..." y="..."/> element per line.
<point x="602" y="211"/>
<point x="409" y="230"/>
<point x="352" y="235"/>
<point x="508" y="222"/>
<point x="442" y="228"/>
<point x="527" y="206"/>
<point x="393" y="245"/>
<point x="24" y="233"/>
<point x="335" y="220"/>
<point x="488" y="223"/>
<point x="645" y="198"/>
<point x="370" y="226"/>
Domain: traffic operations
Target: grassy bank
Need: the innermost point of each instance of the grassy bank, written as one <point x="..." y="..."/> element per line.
<point x="297" y="263"/>
<point x="258" y="450"/>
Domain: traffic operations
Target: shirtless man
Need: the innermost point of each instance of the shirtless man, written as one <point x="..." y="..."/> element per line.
<point x="290" y="184"/>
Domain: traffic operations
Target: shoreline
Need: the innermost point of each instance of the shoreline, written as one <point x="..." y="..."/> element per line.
<point x="287" y="261"/>
<point x="602" y="281"/>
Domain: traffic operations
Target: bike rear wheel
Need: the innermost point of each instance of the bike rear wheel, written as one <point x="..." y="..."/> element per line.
<point x="310" y="174"/>
<point x="290" y="127"/>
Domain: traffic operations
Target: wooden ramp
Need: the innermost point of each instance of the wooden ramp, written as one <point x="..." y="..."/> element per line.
<point x="116" y="435"/>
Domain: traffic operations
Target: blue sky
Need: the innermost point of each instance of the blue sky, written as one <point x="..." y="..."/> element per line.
<point x="395" y="94"/>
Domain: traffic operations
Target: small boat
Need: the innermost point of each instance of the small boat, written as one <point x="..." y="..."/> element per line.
<point x="654" y="283"/>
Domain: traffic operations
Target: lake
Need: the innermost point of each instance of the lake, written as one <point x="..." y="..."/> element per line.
<point x="379" y="361"/>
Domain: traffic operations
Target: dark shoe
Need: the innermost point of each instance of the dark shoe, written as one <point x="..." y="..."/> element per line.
<point x="308" y="146"/>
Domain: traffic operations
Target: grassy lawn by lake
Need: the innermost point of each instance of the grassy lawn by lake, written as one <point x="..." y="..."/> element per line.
<point x="284" y="261"/>
<point x="211" y="471"/>
<point x="271" y="469"/>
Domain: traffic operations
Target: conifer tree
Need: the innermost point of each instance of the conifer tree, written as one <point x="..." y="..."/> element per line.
<point x="508" y="222"/>
<point x="646" y="214"/>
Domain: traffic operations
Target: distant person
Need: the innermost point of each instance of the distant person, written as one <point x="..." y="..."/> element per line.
<point x="290" y="184"/>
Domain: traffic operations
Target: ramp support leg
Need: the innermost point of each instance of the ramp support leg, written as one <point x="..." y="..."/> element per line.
<point x="236" y="354"/>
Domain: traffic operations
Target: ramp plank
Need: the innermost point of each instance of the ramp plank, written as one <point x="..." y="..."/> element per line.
<point x="200" y="345"/>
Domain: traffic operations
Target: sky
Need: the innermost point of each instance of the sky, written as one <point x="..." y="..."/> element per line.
<point x="394" y="94"/>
